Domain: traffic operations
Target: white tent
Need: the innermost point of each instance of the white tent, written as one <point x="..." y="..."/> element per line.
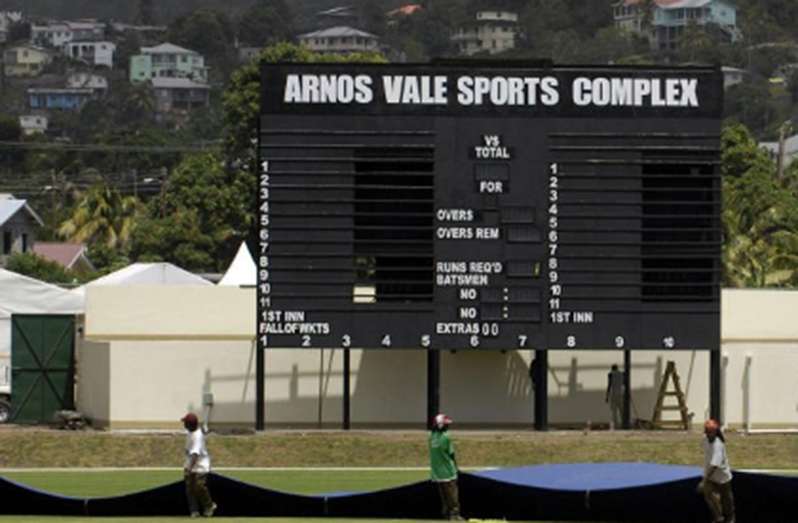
<point x="160" y="273"/>
<point x="24" y="295"/>
<point x="242" y="271"/>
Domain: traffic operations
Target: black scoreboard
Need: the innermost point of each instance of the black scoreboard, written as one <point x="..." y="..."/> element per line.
<point x="449" y="206"/>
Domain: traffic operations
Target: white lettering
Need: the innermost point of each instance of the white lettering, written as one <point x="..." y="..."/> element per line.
<point x="487" y="233"/>
<point x="461" y="280"/>
<point x="635" y="92"/>
<point x="451" y="267"/>
<point x="425" y="90"/>
<point x="455" y="215"/>
<point x="327" y="89"/>
<point x="455" y="233"/>
<point x="504" y="91"/>
<point x="490" y="187"/>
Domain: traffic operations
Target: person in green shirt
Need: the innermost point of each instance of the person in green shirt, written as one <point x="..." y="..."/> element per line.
<point x="443" y="466"/>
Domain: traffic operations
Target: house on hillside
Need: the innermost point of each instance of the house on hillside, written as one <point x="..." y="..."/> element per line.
<point x="33" y="123"/>
<point x="790" y="149"/>
<point x="52" y="34"/>
<point x="92" y="81"/>
<point x="246" y="54"/>
<point x="18" y="222"/>
<point x="175" y="98"/>
<point x="57" y="34"/>
<point x="25" y="60"/>
<point x="733" y="76"/>
<point x="58" y="99"/>
<point x="147" y="33"/>
<point x="87" y="31"/>
<point x="662" y="22"/>
<point x="92" y="53"/>
<point x="72" y="256"/>
<point x="167" y="61"/>
<point x="405" y="10"/>
<point x="341" y="39"/>
<point x="492" y="32"/>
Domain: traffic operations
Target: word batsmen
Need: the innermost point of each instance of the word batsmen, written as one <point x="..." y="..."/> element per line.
<point x="495" y="90"/>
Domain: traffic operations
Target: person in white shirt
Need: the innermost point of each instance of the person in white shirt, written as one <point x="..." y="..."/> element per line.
<point x="196" y="469"/>
<point x="716" y="484"/>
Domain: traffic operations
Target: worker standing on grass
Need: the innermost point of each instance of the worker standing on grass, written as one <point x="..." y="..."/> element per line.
<point x="196" y="469"/>
<point x="444" y="467"/>
<point x="716" y="483"/>
<point x="614" y="396"/>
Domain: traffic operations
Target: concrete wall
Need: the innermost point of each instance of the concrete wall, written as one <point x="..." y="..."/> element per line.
<point x="163" y="347"/>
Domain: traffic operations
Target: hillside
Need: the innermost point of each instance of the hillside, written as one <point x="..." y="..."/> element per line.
<point x="166" y="10"/>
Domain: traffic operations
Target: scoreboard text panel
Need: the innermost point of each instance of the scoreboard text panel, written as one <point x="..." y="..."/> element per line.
<point x="449" y="207"/>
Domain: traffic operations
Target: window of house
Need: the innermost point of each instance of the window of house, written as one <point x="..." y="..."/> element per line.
<point x="7" y="242"/>
<point x="24" y="242"/>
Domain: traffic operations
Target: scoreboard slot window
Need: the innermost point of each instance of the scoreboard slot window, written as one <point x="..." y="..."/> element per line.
<point x="393" y="224"/>
<point x="680" y="233"/>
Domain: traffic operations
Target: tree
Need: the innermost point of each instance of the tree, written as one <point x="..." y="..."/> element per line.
<point x="750" y="103"/>
<point x="694" y="44"/>
<point x="199" y="219"/>
<point x="146" y="13"/>
<point x="18" y="32"/>
<point x="102" y="215"/>
<point x="373" y="18"/>
<point x="139" y="104"/>
<point x="611" y="45"/>
<point x="435" y="23"/>
<point x="758" y="24"/>
<point x="241" y="101"/>
<point x="10" y="128"/>
<point x="264" y="23"/>
<point x="740" y="151"/>
<point x="129" y="45"/>
<point x="206" y="31"/>
<point x="32" y="265"/>
<point x="105" y="260"/>
<point x="760" y="223"/>
<point x="759" y="216"/>
<point x="792" y="85"/>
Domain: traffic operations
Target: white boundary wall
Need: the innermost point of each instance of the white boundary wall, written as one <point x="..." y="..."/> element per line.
<point x="150" y="353"/>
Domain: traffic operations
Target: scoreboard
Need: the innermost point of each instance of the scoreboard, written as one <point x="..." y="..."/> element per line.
<point x="453" y="206"/>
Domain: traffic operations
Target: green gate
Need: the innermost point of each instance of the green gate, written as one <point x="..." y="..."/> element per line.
<point x="42" y="366"/>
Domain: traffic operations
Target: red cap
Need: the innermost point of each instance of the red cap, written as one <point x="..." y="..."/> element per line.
<point x="711" y="427"/>
<point x="189" y="418"/>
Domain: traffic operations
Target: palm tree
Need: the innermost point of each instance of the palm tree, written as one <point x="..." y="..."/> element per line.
<point x="140" y="100"/>
<point x="694" y="41"/>
<point x="102" y="215"/>
<point x="761" y="247"/>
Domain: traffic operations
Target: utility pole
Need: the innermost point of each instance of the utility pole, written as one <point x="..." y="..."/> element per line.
<point x="784" y="130"/>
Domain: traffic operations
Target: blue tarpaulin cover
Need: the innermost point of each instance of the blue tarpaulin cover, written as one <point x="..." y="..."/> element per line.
<point x="638" y="492"/>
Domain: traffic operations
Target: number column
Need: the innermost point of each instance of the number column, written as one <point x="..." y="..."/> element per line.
<point x="264" y="283"/>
